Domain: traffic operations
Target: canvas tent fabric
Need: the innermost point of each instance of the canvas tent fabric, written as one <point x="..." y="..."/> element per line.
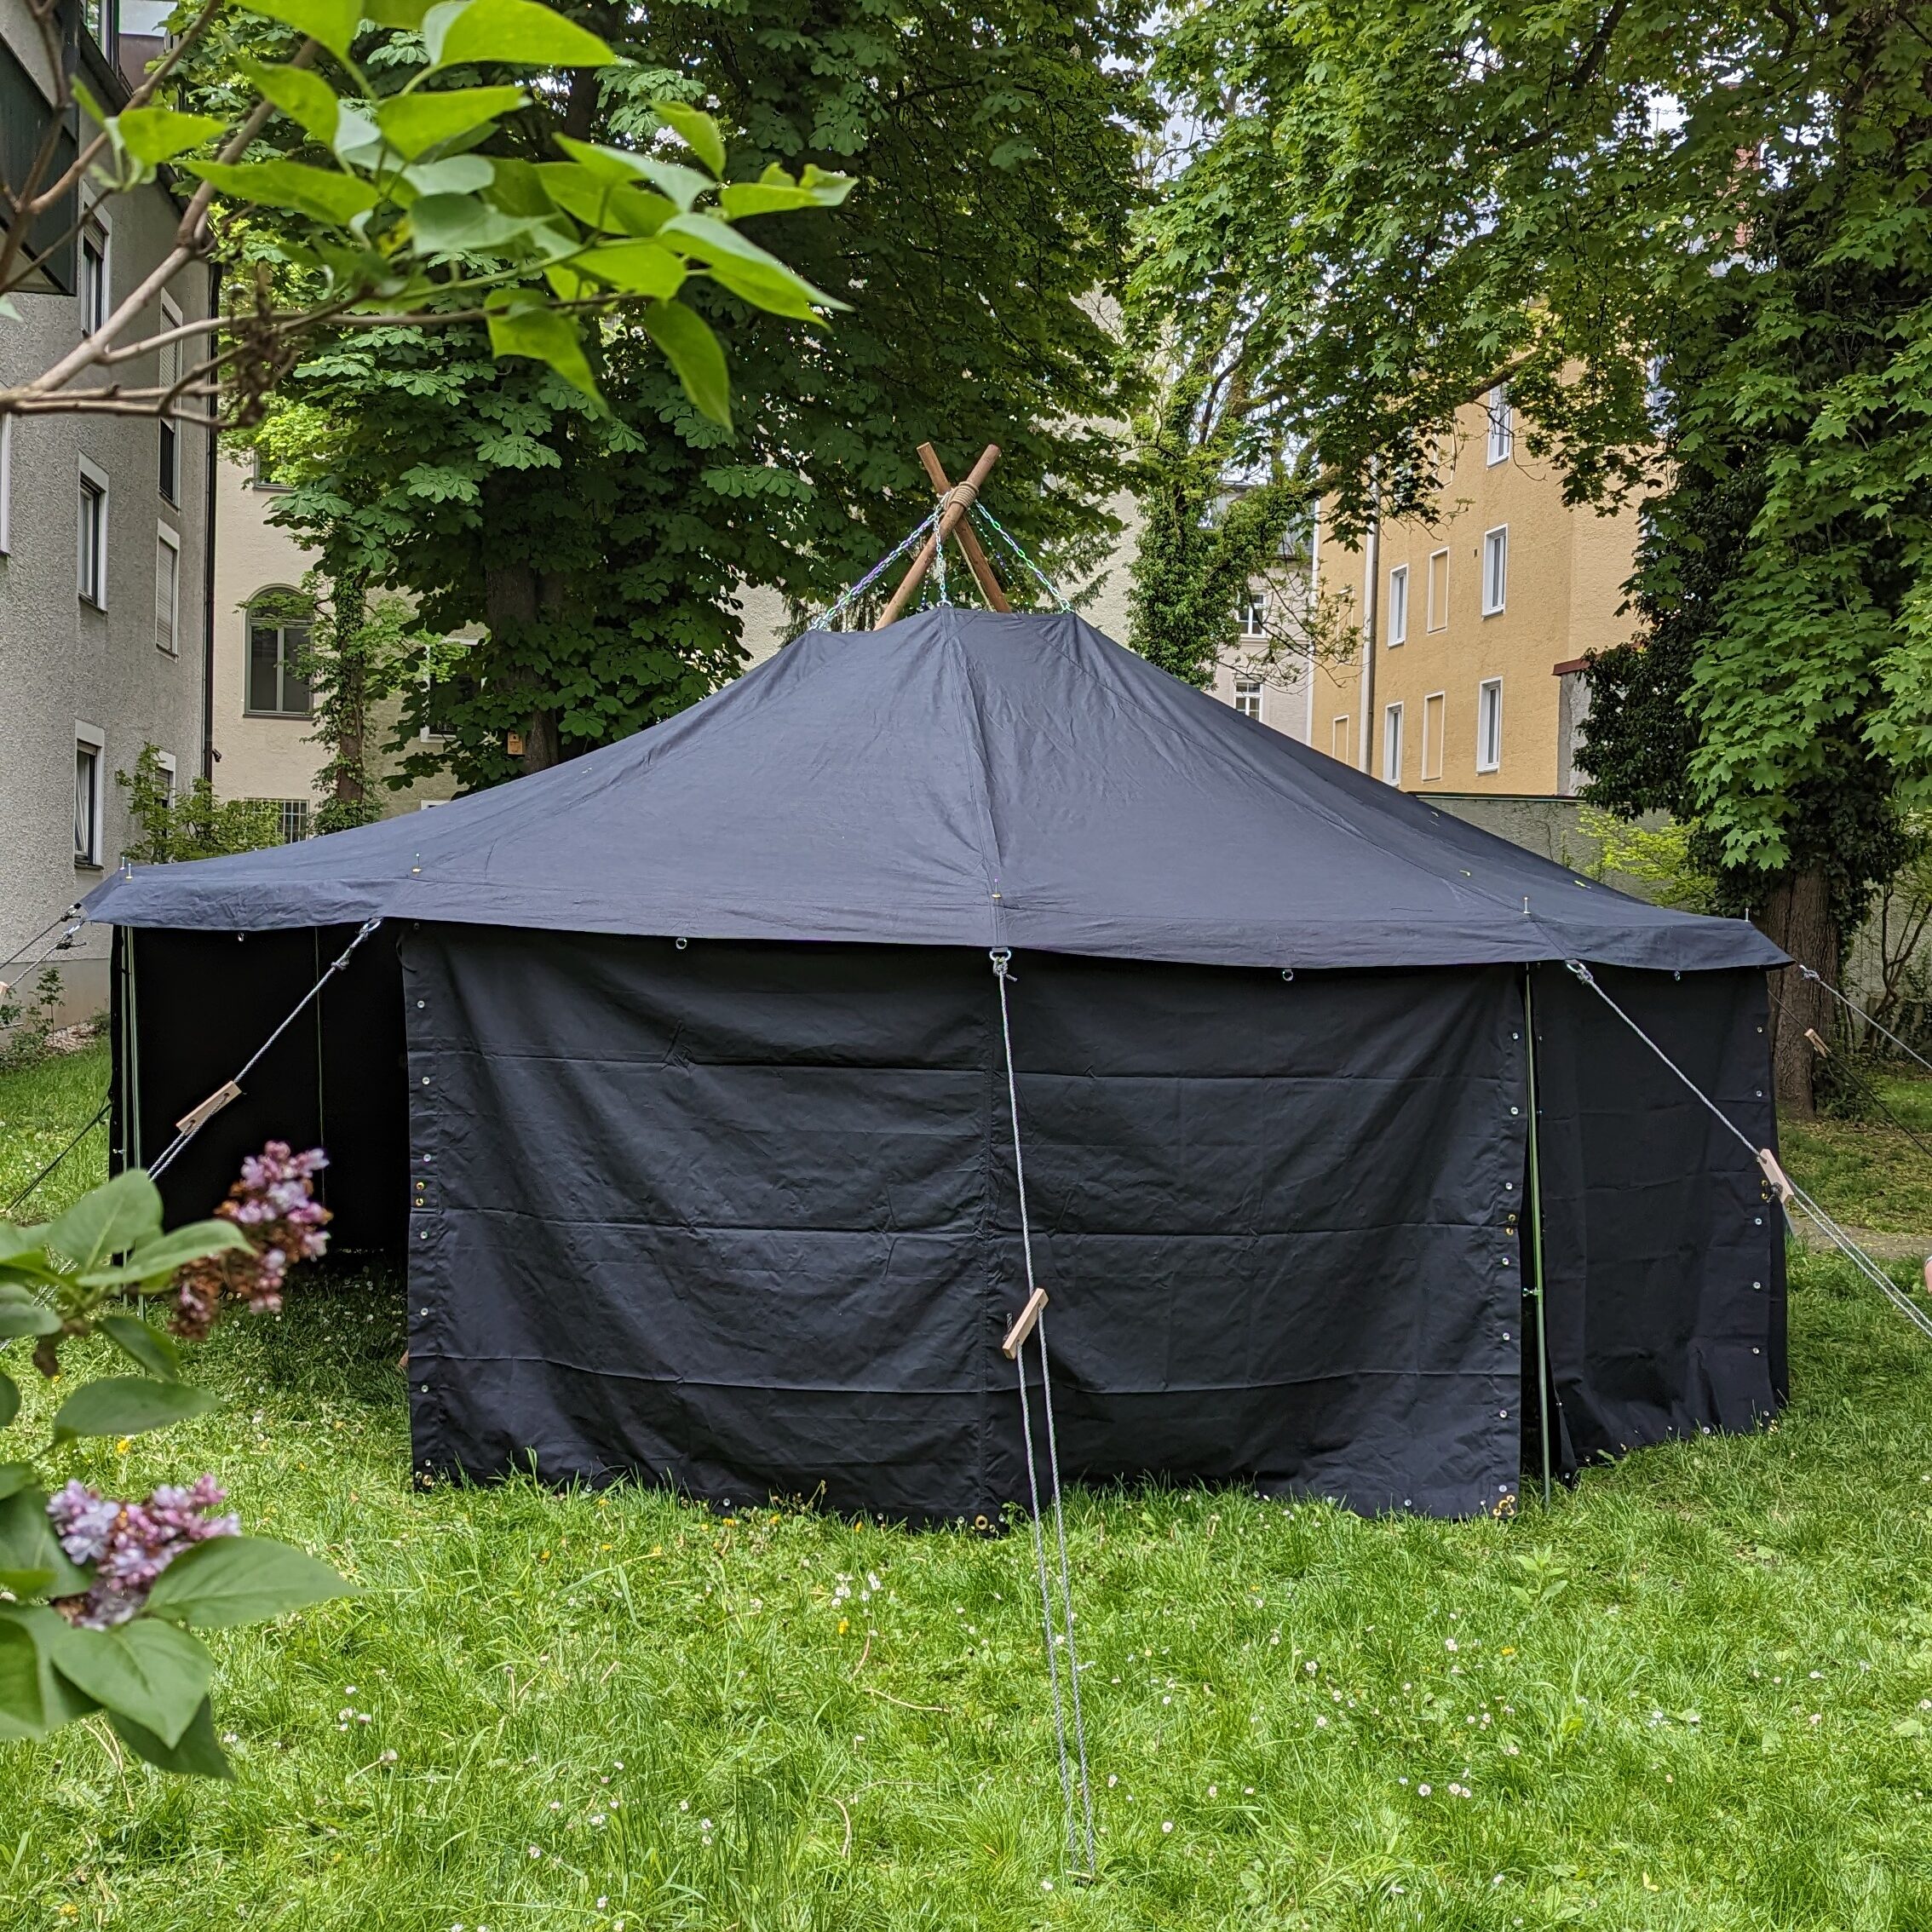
<point x="960" y="778"/>
<point x="684" y="1197"/>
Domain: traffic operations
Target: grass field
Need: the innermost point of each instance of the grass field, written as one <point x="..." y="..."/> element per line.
<point x="1695" y="1693"/>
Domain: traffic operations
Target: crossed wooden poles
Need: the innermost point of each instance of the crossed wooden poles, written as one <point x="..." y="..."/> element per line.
<point x="957" y="501"/>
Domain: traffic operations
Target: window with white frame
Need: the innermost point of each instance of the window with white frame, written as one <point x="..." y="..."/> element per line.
<point x="1339" y="744"/>
<point x="1495" y="569"/>
<point x="1437" y="590"/>
<point x="291" y="818"/>
<point x="1434" y="709"/>
<point x="1502" y="426"/>
<point x="95" y="290"/>
<point x="1392" y="743"/>
<point x="90" y="759"/>
<point x="1248" y="697"/>
<point x="164" y="763"/>
<point x="91" y="552"/>
<point x="168" y="372"/>
<point x="1398" y="604"/>
<point x="278" y="636"/>
<point x="1254" y="615"/>
<point x="1489" y="725"/>
<point x="167" y="589"/>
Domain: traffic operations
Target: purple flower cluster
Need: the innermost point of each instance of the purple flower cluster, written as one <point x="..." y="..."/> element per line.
<point x="273" y="1205"/>
<point x="131" y="1544"/>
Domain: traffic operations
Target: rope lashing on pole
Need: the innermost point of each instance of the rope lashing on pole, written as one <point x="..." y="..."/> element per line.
<point x="197" y="1117"/>
<point x="1782" y="1185"/>
<point x="1818" y="979"/>
<point x="1032" y="1324"/>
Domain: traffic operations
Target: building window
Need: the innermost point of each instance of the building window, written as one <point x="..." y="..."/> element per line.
<point x="291" y="818"/>
<point x="168" y="373"/>
<point x="1248" y="697"/>
<point x="94" y="286"/>
<point x="1338" y="741"/>
<point x="92" y="558"/>
<point x="277" y="639"/>
<point x="1433" y="709"/>
<point x="1495" y="569"/>
<point x="1398" y="604"/>
<point x="89" y="758"/>
<point x="167" y="589"/>
<point x="264" y="477"/>
<point x="1489" y="725"/>
<point x="1437" y="590"/>
<point x="1392" y="743"/>
<point x="1502" y="426"/>
<point x="1254" y="615"/>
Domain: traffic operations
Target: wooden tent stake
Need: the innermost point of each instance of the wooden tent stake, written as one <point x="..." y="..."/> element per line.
<point x="960" y="500"/>
<point x="975" y="557"/>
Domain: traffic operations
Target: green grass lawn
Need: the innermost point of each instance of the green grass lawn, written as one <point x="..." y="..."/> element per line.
<point x="1868" y="1172"/>
<point x="1695" y="1693"/>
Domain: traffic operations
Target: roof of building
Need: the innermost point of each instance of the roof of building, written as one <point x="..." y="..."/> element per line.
<point x="960" y="778"/>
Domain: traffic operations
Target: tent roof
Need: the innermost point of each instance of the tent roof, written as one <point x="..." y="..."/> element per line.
<point x="960" y="778"/>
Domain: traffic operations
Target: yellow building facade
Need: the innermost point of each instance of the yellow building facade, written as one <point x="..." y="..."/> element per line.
<point x="1482" y="615"/>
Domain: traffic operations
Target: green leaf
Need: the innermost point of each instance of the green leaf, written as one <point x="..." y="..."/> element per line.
<point x="520" y="30"/>
<point x="546" y="337"/>
<point x="147" y="1670"/>
<point x="740" y="198"/>
<point x="593" y="198"/>
<point x="455" y="174"/>
<point x="404" y="14"/>
<point x="23" y="1712"/>
<point x="20" y="1240"/>
<point x="9" y="1399"/>
<point x="332" y="22"/>
<point x="127" y="1405"/>
<point x="154" y="1351"/>
<point x="695" y="354"/>
<point x="112" y="1217"/>
<point x="460" y="224"/>
<point x="301" y="93"/>
<point x="160" y="1257"/>
<point x="413" y="124"/>
<point x="638" y="267"/>
<point x="26" y="1582"/>
<point x="13" y="1477"/>
<point x="27" y="1542"/>
<point x="682" y="185"/>
<point x="745" y="268"/>
<point x="159" y="134"/>
<point x="698" y="131"/>
<point x="241" y="1579"/>
<point x="321" y="193"/>
<point x="196" y="1753"/>
<point x="27" y="1318"/>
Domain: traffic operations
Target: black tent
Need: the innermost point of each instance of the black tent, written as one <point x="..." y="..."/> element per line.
<point x="676" y="1073"/>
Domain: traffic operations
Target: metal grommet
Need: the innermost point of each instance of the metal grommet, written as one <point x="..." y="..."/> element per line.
<point x="1287" y="972"/>
<point x="680" y="943"/>
<point x="981" y="1523"/>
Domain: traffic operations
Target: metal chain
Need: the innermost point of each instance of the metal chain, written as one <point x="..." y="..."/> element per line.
<point x="1013" y="543"/>
<point x="1002" y="960"/>
<point x="825" y="620"/>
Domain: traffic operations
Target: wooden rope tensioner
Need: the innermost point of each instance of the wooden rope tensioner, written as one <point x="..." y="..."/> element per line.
<point x="957" y="499"/>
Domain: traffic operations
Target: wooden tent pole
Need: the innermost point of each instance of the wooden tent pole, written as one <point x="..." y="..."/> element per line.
<point x="975" y="557"/>
<point x="961" y="500"/>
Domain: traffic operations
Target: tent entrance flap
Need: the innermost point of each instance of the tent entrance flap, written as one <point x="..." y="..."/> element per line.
<point x="743" y="1216"/>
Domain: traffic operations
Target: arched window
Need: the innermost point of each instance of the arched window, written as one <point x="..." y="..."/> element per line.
<point x="277" y="639"/>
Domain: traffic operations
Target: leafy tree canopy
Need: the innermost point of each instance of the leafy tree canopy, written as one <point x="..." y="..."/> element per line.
<point x="1711" y="218"/>
<point x="995" y="155"/>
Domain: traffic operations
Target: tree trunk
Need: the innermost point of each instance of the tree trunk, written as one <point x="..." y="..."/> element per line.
<point x="514" y="597"/>
<point x="1797" y="917"/>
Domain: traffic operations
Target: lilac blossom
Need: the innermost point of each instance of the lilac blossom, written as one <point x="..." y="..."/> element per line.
<point x="272" y="1204"/>
<point x="131" y="1544"/>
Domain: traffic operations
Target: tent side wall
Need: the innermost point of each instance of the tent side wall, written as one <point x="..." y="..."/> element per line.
<point x="743" y="1216"/>
<point x="189" y="1008"/>
<point x="1666" y="1255"/>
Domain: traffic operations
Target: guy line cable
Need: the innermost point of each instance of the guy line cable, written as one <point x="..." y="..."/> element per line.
<point x="1032" y="1322"/>
<point x="1782" y="1185"/>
